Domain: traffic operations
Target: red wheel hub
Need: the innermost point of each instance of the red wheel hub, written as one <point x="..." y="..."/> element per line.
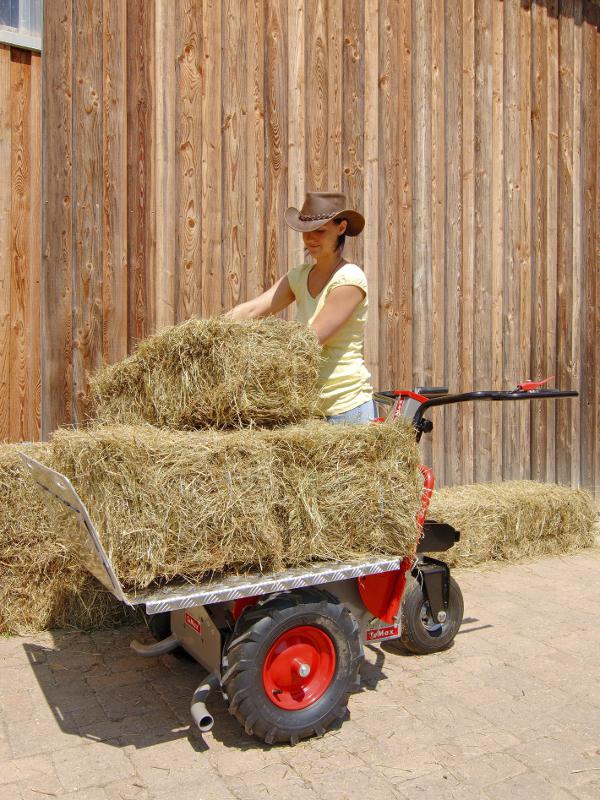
<point x="299" y="667"/>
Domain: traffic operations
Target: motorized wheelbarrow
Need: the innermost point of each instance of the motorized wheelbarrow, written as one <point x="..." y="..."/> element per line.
<point x="286" y="648"/>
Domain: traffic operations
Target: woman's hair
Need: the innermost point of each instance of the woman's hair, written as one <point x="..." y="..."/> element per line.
<point x="341" y="241"/>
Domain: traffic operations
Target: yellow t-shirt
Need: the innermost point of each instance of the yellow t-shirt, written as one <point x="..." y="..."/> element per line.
<point x="344" y="381"/>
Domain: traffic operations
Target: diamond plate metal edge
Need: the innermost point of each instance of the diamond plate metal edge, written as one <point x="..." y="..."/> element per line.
<point x="176" y="598"/>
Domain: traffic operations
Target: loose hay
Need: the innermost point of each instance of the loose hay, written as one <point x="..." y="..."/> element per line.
<point x="213" y="373"/>
<point x="514" y="520"/>
<point x="170" y="503"/>
<point x="42" y="585"/>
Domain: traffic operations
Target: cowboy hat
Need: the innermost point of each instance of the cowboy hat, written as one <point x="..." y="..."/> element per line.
<point x="322" y="207"/>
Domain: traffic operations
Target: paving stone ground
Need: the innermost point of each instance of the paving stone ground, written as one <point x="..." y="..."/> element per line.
<point x="511" y="711"/>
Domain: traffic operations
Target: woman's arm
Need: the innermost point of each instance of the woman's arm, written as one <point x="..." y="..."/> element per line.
<point x="337" y="310"/>
<point x="274" y="300"/>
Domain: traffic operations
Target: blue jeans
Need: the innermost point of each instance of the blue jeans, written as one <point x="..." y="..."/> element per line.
<point x="361" y="415"/>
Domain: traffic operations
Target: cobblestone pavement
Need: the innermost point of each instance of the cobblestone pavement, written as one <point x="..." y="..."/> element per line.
<point x="511" y="711"/>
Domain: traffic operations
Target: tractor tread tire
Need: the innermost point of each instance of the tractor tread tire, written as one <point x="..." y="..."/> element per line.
<point x="255" y="632"/>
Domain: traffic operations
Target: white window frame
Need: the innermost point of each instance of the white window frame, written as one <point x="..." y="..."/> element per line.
<point x="16" y="38"/>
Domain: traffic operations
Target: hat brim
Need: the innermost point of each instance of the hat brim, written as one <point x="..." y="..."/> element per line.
<point x="356" y="221"/>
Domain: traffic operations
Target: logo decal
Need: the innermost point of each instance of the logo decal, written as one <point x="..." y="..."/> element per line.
<point x="382" y="633"/>
<point x="193" y="623"/>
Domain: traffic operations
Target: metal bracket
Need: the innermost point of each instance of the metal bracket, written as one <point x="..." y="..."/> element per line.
<point x="434" y="579"/>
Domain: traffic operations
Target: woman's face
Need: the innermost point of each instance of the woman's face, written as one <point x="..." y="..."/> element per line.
<point x="323" y="241"/>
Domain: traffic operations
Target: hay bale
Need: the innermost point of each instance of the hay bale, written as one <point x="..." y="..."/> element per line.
<point x="213" y="373"/>
<point x="169" y="503"/>
<point x="514" y="520"/>
<point x="42" y="584"/>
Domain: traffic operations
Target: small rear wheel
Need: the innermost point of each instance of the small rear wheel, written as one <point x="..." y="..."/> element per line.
<point x="420" y="633"/>
<point x="291" y="665"/>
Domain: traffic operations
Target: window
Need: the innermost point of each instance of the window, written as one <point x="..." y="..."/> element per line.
<point x="21" y="23"/>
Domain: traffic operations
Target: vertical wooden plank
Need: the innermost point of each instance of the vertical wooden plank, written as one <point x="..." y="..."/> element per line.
<point x="596" y="262"/>
<point x="438" y="210"/>
<point x="577" y="269"/>
<point x="114" y="181"/>
<point x="87" y="193"/>
<point x="590" y="259"/>
<point x="5" y="241"/>
<point x="317" y="99"/>
<point x="188" y="144"/>
<point x="372" y="265"/>
<point x="454" y="257"/>
<point x="163" y="205"/>
<point x="564" y="371"/>
<point x="21" y="256"/>
<point x="395" y="185"/>
<point x="234" y="151"/>
<point x="255" y="181"/>
<point x="539" y="121"/>
<point x="483" y="157"/>
<point x="277" y="124"/>
<point x="421" y="217"/>
<point x="296" y="122"/>
<point x="335" y="16"/>
<point x="140" y="102"/>
<point x="353" y="130"/>
<point x="512" y="231"/>
<point x="212" y="190"/>
<point x="57" y="222"/>
<point x="468" y="234"/>
<point x="497" y="235"/>
<point x="524" y="246"/>
<point x="552" y="148"/>
<point x="34" y="343"/>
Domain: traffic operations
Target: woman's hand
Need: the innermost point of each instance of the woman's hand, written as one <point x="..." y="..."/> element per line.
<point x="274" y="300"/>
<point x="338" y="309"/>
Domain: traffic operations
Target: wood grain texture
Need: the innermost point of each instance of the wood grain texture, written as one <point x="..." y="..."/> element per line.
<point x="335" y="18"/>
<point x="438" y="207"/>
<point x="497" y="235"/>
<point x="297" y="115"/>
<point x="482" y="221"/>
<point x="468" y="236"/>
<point x="234" y="151"/>
<point x="539" y="339"/>
<point x="212" y="182"/>
<point x="256" y="145"/>
<point x="87" y="197"/>
<point x="57" y="222"/>
<point x="163" y="199"/>
<point x="114" y="181"/>
<point x="564" y="332"/>
<point x="140" y="108"/>
<point x="276" y="144"/>
<point x="34" y="342"/>
<point x="452" y="417"/>
<point x="317" y="96"/>
<point x="188" y="158"/>
<point x="551" y="288"/>
<point x="352" y="120"/>
<point x="5" y="241"/>
<point x="421" y="204"/>
<point x="371" y="186"/>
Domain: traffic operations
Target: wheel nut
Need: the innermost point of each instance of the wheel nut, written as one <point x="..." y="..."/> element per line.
<point x="442" y="616"/>
<point x="303" y="670"/>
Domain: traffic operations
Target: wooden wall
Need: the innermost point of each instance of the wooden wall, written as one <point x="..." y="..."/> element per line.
<point x="177" y="133"/>
<point x="20" y="248"/>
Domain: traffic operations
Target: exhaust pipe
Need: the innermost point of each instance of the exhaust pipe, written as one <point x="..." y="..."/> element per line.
<point x="202" y="717"/>
<point x="155" y="648"/>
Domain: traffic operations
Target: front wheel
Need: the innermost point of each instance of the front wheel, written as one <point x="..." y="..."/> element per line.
<point x="291" y="665"/>
<point x="420" y="633"/>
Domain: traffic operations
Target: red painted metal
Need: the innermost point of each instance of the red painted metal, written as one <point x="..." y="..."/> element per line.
<point x="241" y="604"/>
<point x="428" y="485"/>
<point x="402" y="394"/>
<point x="299" y="667"/>
<point x="528" y="386"/>
<point x="382" y="593"/>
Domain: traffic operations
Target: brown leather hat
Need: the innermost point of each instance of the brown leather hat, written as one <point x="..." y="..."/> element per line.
<point x="321" y="207"/>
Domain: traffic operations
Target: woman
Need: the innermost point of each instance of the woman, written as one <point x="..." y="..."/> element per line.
<point x="331" y="297"/>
